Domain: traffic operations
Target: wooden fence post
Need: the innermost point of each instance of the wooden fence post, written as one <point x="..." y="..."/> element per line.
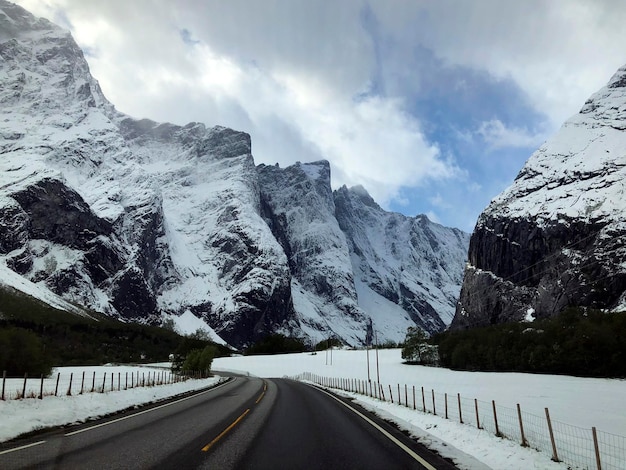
<point x="390" y="393"/>
<point x="423" y="401"/>
<point x="4" y="379"/>
<point x="458" y="396"/>
<point x="104" y="381"/>
<point x="399" y="396"/>
<point x="41" y="389"/>
<point x="24" y="387"/>
<point x="445" y="398"/>
<point x="555" y="455"/>
<point x="495" y="418"/>
<point x="521" y="426"/>
<point x="414" y="398"/>
<point x="56" y="389"/>
<point x="82" y="383"/>
<point x="477" y="418"/>
<point x="69" y="389"/>
<point x="93" y="382"/>
<point x="406" y="396"/>
<point x="596" y="447"/>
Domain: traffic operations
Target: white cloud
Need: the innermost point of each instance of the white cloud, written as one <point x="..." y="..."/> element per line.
<point x="288" y="72"/>
<point x="557" y="51"/>
<point x="282" y="74"/>
<point x="496" y="135"/>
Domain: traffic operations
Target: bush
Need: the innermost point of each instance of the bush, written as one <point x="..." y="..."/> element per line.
<point x="199" y="360"/>
<point x="417" y="349"/>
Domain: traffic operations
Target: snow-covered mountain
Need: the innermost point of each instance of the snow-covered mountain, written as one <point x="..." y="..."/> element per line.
<point x="556" y="237"/>
<point x="149" y="221"/>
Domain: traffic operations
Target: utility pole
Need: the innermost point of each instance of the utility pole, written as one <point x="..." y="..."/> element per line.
<point x="377" y="368"/>
<point x="367" y="349"/>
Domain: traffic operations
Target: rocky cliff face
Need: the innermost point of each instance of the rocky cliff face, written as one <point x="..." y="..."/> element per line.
<point x="556" y="237"/>
<point x="147" y="221"/>
<point x="404" y="264"/>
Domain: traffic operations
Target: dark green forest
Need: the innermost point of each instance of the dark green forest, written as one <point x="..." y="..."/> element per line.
<point x="276" y="344"/>
<point x="35" y="336"/>
<point x="580" y="342"/>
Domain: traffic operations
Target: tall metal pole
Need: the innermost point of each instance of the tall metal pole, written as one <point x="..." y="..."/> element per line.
<point x="367" y="348"/>
<point x="331" y="353"/>
<point x="377" y="368"/>
<point x="326" y="351"/>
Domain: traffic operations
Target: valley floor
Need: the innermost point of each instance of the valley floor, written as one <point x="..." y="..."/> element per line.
<point x="580" y="402"/>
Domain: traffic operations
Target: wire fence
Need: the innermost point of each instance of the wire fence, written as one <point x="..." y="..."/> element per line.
<point x="87" y="382"/>
<point x="579" y="448"/>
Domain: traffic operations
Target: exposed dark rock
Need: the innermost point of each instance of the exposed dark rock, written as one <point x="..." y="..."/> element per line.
<point x="57" y="213"/>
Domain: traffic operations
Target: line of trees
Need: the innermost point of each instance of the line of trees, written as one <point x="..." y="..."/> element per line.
<point x="35" y="336"/>
<point x="579" y="342"/>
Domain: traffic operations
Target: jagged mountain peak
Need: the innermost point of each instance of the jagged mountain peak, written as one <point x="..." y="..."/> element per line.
<point x="362" y="194"/>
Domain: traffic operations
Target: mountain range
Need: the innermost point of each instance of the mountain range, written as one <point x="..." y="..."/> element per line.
<point x="159" y="223"/>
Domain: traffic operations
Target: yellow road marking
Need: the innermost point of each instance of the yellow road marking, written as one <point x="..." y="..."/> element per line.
<point x="225" y="431"/>
<point x="262" y="393"/>
<point x="195" y="395"/>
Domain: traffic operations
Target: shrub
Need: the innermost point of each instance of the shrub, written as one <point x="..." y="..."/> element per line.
<point x="199" y="360"/>
<point x="417" y="348"/>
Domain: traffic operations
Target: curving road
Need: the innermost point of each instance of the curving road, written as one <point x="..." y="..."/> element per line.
<point x="247" y="423"/>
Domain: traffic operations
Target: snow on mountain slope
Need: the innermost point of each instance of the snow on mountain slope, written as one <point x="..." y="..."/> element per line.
<point x="408" y="261"/>
<point x="556" y="237"/>
<point x="10" y="279"/>
<point x="149" y="221"/>
<point x="300" y="209"/>
<point x="125" y="195"/>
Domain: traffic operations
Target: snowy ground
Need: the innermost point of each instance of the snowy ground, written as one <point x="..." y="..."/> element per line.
<point x="580" y="402"/>
<point x="570" y="400"/>
<point x="21" y="416"/>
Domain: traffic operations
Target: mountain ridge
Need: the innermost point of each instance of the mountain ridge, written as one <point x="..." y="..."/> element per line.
<point x="555" y="238"/>
<point x="147" y="221"/>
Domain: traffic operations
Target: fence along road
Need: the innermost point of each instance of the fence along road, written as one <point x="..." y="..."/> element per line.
<point x="582" y="448"/>
<point x="246" y="423"/>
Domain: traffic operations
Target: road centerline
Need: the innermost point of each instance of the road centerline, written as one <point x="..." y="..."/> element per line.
<point x="225" y="431"/>
<point x="144" y="411"/>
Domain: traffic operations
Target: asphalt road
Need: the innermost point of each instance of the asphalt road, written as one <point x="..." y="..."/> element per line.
<point x="247" y="423"/>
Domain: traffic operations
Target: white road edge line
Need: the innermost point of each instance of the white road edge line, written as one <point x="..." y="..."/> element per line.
<point x="145" y="411"/>
<point x="22" y="447"/>
<point x="385" y="433"/>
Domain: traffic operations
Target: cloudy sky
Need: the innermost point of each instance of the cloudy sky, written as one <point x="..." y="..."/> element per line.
<point x="432" y="106"/>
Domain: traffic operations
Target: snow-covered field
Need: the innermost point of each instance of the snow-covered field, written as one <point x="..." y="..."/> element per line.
<point x="22" y="416"/>
<point x="581" y="402"/>
<point x="576" y="401"/>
